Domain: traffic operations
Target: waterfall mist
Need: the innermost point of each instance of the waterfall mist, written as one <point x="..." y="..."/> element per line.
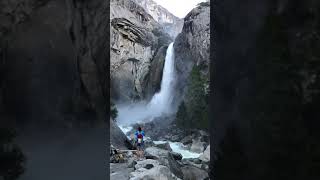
<point x="161" y="102"/>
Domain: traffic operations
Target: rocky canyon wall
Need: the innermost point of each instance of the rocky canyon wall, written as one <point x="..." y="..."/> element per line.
<point x="137" y="56"/>
<point x="53" y="61"/>
<point x="192" y="47"/>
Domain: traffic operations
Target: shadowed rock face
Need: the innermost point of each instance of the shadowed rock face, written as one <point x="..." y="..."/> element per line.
<point x="257" y="68"/>
<point x="53" y="65"/>
<point x="53" y="61"/>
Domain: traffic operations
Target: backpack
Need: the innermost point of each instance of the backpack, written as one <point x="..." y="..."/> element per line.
<point x="140" y="137"/>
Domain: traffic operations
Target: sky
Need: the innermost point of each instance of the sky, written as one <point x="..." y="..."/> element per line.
<point x="179" y="8"/>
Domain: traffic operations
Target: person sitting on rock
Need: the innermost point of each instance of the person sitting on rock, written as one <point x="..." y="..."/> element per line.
<point x="139" y="135"/>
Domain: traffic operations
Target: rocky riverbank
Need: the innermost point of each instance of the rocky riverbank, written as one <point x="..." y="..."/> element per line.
<point x="158" y="161"/>
<point x="169" y="153"/>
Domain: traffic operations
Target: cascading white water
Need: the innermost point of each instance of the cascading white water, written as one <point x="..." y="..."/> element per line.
<point x="161" y="102"/>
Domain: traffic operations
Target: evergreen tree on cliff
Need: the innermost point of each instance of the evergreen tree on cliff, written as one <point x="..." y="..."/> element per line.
<point x="194" y="110"/>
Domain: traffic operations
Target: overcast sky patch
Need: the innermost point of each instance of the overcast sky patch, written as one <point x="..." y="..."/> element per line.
<point x="179" y="8"/>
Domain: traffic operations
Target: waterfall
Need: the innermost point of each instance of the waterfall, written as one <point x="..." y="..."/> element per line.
<point x="161" y="102"/>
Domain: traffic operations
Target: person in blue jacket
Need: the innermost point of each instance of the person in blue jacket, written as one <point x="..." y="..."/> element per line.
<point x="139" y="136"/>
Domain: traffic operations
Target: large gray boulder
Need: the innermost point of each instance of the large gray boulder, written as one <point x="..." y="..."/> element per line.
<point x="197" y="146"/>
<point x="192" y="173"/>
<point x="167" y="158"/>
<point x="119" y="171"/>
<point x="151" y="169"/>
<point x="205" y="157"/>
<point x="157" y="152"/>
<point x="117" y="138"/>
<point x="174" y="166"/>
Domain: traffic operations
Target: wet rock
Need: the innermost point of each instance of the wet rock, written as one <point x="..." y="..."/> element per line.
<point x="165" y="146"/>
<point x="176" y="156"/>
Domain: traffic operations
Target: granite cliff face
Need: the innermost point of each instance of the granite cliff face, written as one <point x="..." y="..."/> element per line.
<point x="135" y="39"/>
<point x="53" y="65"/>
<point x="266" y="84"/>
<point x="171" y="23"/>
<point x="192" y="46"/>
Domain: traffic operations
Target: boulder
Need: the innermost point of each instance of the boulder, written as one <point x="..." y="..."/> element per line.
<point x="197" y="146"/>
<point x="151" y="169"/>
<point x="174" y="166"/>
<point x="120" y="171"/>
<point x="205" y="156"/>
<point x="131" y="163"/>
<point x="165" y="146"/>
<point x="176" y="156"/>
<point x="192" y="162"/>
<point x="156" y="152"/>
<point x="166" y="158"/>
<point x="191" y="173"/>
<point x="187" y="140"/>
<point x="117" y="138"/>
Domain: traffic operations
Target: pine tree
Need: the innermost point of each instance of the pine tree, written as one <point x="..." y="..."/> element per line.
<point x="196" y="102"/>
<point x="181" y="116"/>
